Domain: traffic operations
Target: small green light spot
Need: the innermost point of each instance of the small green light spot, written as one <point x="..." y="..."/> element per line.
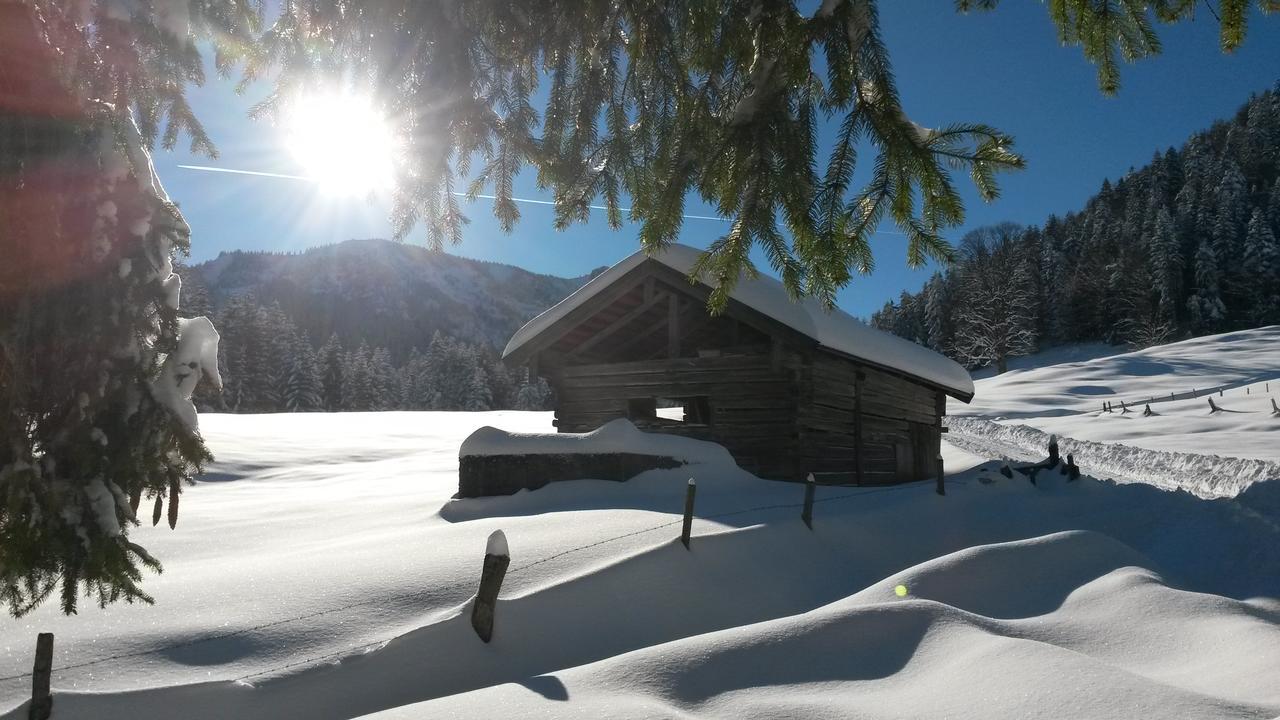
<point x="900" y="591"/>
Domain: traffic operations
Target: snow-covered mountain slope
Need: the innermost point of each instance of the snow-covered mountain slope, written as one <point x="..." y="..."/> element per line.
<point x="389" y="294"/>
<point x="1183" y="442"/>
<point x="323" y="564"/>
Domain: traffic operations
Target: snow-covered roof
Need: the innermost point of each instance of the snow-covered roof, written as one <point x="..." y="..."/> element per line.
<point x="834" y="330"/>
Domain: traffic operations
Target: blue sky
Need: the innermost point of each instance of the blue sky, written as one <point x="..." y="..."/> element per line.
<point x="1004" y="68"/>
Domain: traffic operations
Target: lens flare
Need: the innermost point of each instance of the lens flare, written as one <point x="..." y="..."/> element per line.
<point x="342" y="142"/>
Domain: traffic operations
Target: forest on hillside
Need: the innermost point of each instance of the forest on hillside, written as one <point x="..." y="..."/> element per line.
<point x="268" y="364"/>
<point x="1185" y="246"/>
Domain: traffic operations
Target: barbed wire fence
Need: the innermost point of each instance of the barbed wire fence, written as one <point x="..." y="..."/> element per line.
<point x="447" y="587"/>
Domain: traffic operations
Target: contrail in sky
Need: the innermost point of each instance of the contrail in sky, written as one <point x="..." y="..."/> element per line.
<point x="531" y="201"/>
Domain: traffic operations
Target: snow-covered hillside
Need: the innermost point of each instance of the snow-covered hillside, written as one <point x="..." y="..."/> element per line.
<point x="1192" y="446"/>
<point x="385" y="293"/>
<point x="321" y="570"/>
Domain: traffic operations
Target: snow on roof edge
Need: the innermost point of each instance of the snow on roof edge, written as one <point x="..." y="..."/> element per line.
<point x="834" y="330"/>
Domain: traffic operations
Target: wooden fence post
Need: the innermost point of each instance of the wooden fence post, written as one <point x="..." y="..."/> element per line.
<point x="1275" y="409"/>
<point x="941" y="489"/>
<point x="1212" y="408"/>
<point x="496" y="559"/>
<point x="688" y="513"/>
<point x="1073" y="470"/>
<point x="1053" y="451"/>
<point x="807" y="514"/>
<point x="41" y="699"/>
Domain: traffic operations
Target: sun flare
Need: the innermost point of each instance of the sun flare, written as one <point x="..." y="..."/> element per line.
<point x="342" y="142"/>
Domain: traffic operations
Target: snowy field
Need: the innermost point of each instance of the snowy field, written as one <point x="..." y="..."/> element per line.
<point x="321" y="570"/>
<point x="1212" y="453"/>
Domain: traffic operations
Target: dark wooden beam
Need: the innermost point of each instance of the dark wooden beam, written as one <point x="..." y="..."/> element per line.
<point x="644" y="334"/>
<point x="673" y="327"/>
<point x="578" y="315"/>
<point x="857" y="425"/>
<point x="735" y="309"/>
<point x="624" y="320"/>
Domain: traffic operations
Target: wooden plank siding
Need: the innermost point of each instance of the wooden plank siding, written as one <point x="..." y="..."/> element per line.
<point x="752" y="405"/>
<point x="900" y="424"/>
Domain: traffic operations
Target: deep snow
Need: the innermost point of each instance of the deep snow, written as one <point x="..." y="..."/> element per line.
<point x="323" y="562"/>
<point x="1239" y="370"/>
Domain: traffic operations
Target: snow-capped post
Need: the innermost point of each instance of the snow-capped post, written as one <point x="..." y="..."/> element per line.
<point x="941" y="488"/>
<point x="1053" y="451"/>
<point x="1212" y="408"/>
<point x="1124" y="409"/>
<point x="1275" y="409"/>
<point x="807" y="514"/>
<point x="41" y="700"/>
<point x="496" y="559"/>
<point x="1147" y="412"/>
<point x="688" y="512"/>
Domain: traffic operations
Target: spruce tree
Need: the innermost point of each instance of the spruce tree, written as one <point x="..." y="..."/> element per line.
<point x="330" y="363"/>
<point x="302" y="387"/>
<point x="382" y="391"/>
<point x="96" y="367"/>
<point x="937" y="313"/>
<point x="1262" y="271"/>
<point x="1273" y="201"/>
<point x="1166" y="266"/>
<point x="534" y="392"/>
<point x="1205" y="306"/>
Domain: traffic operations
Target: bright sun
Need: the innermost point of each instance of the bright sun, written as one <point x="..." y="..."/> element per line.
<point x="342" y="142"/>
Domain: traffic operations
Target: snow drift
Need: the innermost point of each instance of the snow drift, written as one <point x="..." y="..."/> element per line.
<point x="330" y="573"/>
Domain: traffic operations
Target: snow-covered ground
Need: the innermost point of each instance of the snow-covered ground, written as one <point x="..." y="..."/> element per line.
<point x="1218" y="453"/>
<point x="322" y="565"/>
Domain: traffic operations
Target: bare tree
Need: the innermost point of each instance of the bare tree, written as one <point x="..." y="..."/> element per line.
<point x="996" y="298"/>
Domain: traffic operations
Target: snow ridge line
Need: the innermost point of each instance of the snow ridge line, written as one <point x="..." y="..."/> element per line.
<point x="1207" y="476"/>
<point x="437" y="589"/>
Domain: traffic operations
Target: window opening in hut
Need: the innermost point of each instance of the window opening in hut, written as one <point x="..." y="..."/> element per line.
<point x="689" y="410"/>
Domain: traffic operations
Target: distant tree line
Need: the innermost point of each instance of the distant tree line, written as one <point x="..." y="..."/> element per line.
<point x="269" y="365"/>
<point x="1185" y="246"/>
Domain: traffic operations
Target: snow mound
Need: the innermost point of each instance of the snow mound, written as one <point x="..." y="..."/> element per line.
<point x="328" y="582"/>
<point x="615" y="436"/>
<point x="833" y="329"/>
<point x="1006" y="630"/>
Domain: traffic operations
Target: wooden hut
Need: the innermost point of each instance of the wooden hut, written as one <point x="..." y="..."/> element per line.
<point x="787" y="387"/>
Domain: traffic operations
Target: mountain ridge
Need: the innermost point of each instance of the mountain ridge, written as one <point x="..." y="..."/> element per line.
<point x="380" y="292"/>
